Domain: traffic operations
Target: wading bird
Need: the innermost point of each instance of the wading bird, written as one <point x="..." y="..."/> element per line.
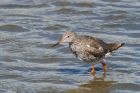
<point x="89" y="49"/>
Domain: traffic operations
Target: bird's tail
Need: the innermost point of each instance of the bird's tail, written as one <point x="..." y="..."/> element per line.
<point x="114" y="46"/>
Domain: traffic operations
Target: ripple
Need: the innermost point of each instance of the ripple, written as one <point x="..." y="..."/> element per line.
<point x="9" y="76"/>
<point x="126" y="86"/>
<point x="61" y="3"/>
<point x="125" y="26"/>
<point x="115" y="17"/>
<point x="66" y="10"/>
<point x="117" y="12"/>
<point x="11" y="6"/>
<point x="65" y="50"/>
<point x="29" y="87"/>
<point x="72" y="11"/>
<point x="86" y="4"/>
<point x="56" y="27"/>
<point x="22" y="15"/>
<point x="5" y="91"/>
<point x="75" y="4"/>
<point x="13" y="28"/>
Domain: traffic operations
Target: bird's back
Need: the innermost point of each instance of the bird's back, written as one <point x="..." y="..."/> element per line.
<point x="88" y="43"/>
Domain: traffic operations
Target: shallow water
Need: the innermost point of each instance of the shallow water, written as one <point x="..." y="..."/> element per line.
<point x="28" y="28"/>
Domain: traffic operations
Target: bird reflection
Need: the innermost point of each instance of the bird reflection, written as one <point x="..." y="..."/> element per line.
<point x="96" y="85"/>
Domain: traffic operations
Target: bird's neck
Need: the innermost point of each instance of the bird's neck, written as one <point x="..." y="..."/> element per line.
<point x="74" y="37"/>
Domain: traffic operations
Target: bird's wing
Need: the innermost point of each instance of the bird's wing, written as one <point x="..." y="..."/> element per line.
<point x="92" y="45"/>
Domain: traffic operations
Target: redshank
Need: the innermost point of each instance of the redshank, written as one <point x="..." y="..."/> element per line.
<point x="89" y="49"/>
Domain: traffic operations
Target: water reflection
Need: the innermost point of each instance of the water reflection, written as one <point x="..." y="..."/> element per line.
<point x="97" y="85"/>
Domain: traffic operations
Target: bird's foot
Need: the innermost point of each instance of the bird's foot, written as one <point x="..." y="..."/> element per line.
<point x="93" y="70"/>
<point x="104" y="68"/>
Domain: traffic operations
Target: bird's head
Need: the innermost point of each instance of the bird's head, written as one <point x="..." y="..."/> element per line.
<point x="67" y="37"/>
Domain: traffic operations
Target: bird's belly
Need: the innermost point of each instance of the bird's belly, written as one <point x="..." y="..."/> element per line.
<point x="89" y="59"/>
<point x="82" y="55"/>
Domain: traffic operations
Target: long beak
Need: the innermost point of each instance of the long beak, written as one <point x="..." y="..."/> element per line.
<point x="59" y="42"/>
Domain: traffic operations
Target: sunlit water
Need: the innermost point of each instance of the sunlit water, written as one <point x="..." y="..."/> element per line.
<point x="28" y="28"/>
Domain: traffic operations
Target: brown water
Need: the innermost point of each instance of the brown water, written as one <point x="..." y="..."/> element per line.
<point x="29" y="27"/>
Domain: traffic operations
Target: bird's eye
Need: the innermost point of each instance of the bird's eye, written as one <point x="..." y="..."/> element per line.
<point x="68" y="36"/>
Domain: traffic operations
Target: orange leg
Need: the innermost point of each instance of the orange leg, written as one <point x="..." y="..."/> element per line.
<point x="105" y="68"/>
<point x="93" y="70"/>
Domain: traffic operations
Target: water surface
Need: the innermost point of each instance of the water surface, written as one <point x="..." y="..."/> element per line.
<point x="28" y="28"/>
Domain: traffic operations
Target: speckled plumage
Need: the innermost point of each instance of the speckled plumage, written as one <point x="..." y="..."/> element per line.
<point x="89" y="49"/>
